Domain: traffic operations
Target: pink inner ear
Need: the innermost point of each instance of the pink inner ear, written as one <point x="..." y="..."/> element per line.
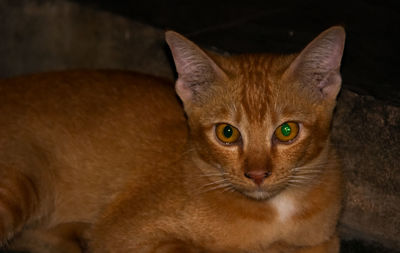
<point x="183" y="91"/>
<point x="317" y="66"/>
<point x="196" y="70"/>
<point x="330" y="86"/>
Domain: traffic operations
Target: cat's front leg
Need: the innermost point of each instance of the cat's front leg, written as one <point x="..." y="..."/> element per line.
<point x="176" y="246"/>
<point x="153" y="247"/>
<point x="19" y="201"/>
<point x="63" y="238"/>
<point x="154" y="242"/>
<point x="330" y="246"/>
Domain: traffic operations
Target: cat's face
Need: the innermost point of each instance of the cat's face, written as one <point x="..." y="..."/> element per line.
<point x="258" y="120"/>
<point x="240" y="128"/>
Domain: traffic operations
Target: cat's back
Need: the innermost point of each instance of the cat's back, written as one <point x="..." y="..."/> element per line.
<point x="90" y="104"/>
<point x="83" y="101"/>
<point x="70" y="92"/>
<point x="86" y="133"/>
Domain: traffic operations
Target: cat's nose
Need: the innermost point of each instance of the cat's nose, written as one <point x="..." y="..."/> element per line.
<point x="257" y="176"/>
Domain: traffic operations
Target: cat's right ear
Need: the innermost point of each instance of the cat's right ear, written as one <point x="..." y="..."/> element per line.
<point x="317" y="66"/>
<point x="196" y="70"/>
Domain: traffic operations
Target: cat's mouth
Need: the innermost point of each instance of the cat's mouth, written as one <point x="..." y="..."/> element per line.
<point x="260" y="193"/>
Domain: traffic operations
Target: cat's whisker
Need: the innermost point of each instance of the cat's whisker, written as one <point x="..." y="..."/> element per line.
<point x="221" y="186"/>
<point x="314" y="174"/>
<point x="213" y="183"/>
<point x="308" y="172"/>
<point x="317" y="169"/>
<point x="213" y="174"/>
<point x="316" y="166"/>
<point x="232" y="189"/>
<point x="296" y="185"/>
<point x="302" y="177"/>
<point x="297" y="182"/>
<point x="229" y="188"/>
<point x="305" y="171"/>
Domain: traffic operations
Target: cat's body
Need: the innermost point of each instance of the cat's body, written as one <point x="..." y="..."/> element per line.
<point x="74" y="139"/>
<point x="234" y="184"/>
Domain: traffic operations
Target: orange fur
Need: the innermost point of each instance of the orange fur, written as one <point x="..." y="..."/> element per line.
<point x="70" y="141"/>
<point x="110" y="159"/>
<point x="204" y="203"/>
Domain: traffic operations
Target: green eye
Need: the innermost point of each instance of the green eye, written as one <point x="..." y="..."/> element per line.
<point x="226" y="133"/>
<point x="287" y="131"/>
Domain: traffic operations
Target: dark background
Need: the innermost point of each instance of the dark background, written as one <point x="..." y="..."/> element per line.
<point x="370" y="64"/>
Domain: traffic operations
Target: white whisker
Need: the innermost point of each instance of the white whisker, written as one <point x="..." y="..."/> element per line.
<point x="213" y="183"/>
<point x="230" y="188"/>
<point x="221" y="186"/>
<point x="213" y="174"/>
<point x="296" y="181"/>
<point x="302" y="176"/>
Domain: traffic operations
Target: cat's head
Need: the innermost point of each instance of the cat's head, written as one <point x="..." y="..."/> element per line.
<point x="262" y="121"/>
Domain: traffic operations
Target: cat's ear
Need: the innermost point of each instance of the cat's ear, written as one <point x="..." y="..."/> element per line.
<point x="196" y="70"/>
<point x="318" y="65"/>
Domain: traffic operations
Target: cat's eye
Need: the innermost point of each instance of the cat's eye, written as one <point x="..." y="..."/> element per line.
<point x="226" y="133"/>
<point x="287" y="131"/>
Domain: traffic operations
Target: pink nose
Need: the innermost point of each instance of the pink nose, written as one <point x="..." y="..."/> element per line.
<point x="257" y="176"/>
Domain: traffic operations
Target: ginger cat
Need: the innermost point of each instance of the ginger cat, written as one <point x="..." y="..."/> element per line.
<point x="107" y="156"/>
<point x="259" y="173"/>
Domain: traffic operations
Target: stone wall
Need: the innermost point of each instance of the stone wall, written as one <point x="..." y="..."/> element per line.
<point x="45" y="35"/>
<point x="366" y="132"/>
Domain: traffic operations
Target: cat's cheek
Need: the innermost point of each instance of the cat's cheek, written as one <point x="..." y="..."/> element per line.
<point x="286" y="157"/>
<point x="213" y="152"/>
<point x="316" y="141"/>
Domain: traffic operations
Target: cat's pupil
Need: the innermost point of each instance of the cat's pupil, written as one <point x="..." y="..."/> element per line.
<point x="286" y="129"/>
<point x="228" y="131"/>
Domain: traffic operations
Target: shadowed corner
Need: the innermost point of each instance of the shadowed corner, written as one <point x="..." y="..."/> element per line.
<point x="359" y="246"/>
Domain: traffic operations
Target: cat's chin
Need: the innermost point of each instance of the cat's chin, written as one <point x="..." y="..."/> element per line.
<point x="260" y="194"/>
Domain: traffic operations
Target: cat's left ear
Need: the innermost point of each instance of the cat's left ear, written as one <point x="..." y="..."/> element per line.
<point x="318" y="65"/>
<point x="196" y="70"/>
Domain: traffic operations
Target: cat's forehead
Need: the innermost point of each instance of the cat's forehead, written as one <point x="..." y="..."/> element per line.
<point x="260" y="90"/>
<point x="259" y="75"/>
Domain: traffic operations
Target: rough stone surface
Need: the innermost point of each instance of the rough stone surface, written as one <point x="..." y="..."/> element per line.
<point x="367" y="134"/>
<point x="39" y="36"/>
<point x="50" y="35"/>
